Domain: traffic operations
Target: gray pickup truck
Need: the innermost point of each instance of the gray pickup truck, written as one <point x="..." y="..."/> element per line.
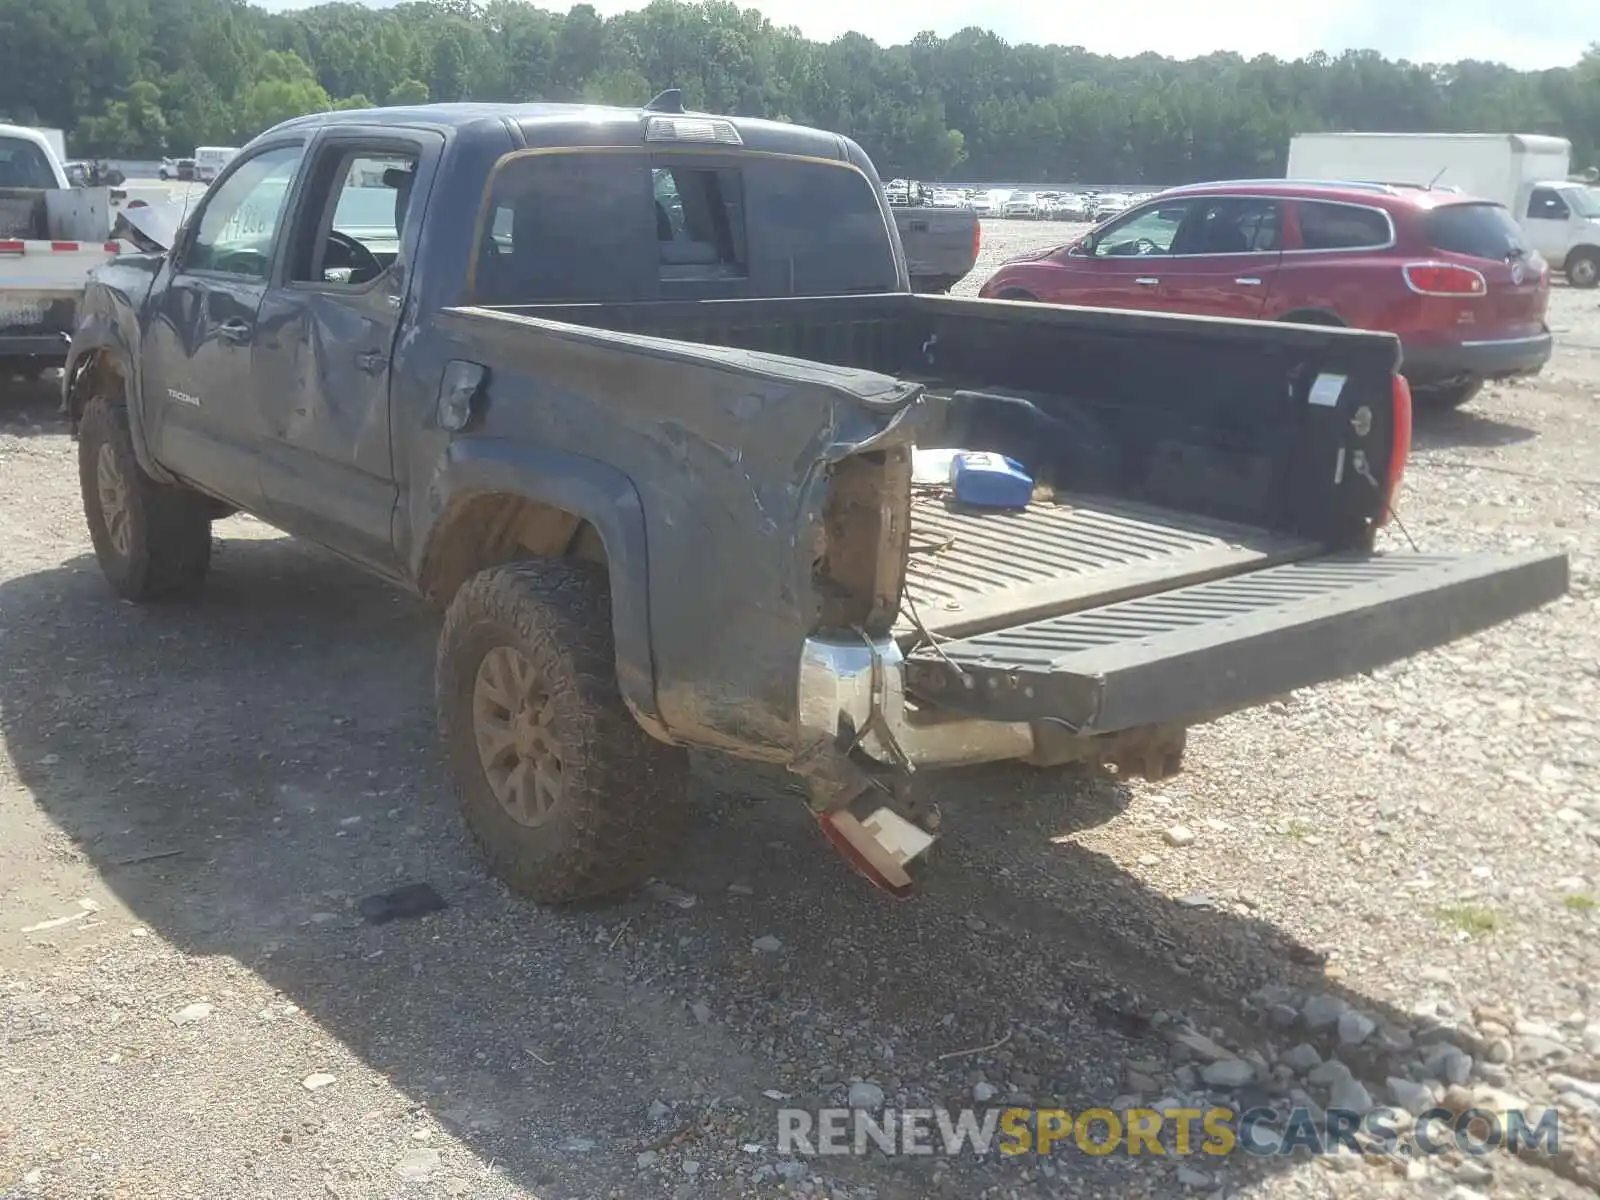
<point x="941" y="244"/>
<point x="633" y="395"/>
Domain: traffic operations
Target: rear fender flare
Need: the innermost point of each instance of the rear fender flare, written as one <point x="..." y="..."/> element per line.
<point x="591" y="490"/>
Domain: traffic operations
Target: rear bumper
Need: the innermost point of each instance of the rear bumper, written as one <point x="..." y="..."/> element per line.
<point x="47" y="347"/>
<point x="1124" y="672"/>
<point x="37" y="323"/>
<point x="1491" y="358"/>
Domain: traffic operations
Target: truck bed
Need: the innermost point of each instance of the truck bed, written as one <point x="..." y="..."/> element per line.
<point x="973" y="572"/>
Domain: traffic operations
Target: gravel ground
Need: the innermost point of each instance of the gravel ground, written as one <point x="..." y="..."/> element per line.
<point x="1398" y="870"/>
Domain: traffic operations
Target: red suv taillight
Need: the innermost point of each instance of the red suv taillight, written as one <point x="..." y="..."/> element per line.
<point x="1399" y="447"/>
<point x="1444" y="279"/>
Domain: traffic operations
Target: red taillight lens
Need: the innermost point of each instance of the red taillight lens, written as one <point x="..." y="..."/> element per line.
<point x="1399" y="447"/>
<point x="1444" y="279"/>
<point x="977" y="237"/>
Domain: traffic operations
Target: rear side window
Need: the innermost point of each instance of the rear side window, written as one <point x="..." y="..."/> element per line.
<point x="615" y="228"/>
<point x="568" y="228"/>
<point x="1479" y="230"/>
<point x="1342" y="227"/>
<point x="822" y="230"/>
<point x="23" y="165"/>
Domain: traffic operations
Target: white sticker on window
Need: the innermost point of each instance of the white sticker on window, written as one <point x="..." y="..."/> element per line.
<point x="1326" y="390"/>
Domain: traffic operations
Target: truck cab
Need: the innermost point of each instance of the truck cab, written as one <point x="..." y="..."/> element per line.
<point x="1562" y="221"/>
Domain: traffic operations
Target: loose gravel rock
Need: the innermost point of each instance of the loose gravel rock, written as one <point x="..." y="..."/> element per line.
<point x="1420" y="846"/>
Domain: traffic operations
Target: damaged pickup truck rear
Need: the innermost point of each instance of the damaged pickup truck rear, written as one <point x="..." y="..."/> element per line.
<point x="642" y="399"/>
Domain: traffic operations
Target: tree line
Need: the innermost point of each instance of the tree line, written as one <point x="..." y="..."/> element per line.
<point x="143" y="78"/>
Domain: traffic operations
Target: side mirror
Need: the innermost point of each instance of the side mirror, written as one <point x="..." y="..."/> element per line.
<point x="1085" y="247"/>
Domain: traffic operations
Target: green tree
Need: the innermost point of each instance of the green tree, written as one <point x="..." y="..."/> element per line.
<point x="408" y="91"/>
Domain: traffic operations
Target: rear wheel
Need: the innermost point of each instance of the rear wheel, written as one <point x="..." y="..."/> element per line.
<point x="1452" y="395"/>
<point x="1583" y="268"/>
<point x="565" y="795"/>
<point x="152" y="540"/>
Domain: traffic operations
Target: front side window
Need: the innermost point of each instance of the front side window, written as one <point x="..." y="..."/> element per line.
<point x="1546" y="204"/>
<point x="1241" y="225"/>
<point x="239" y="226"/>
<point x="370" y="195"/>
<point x="1145" y="231"/>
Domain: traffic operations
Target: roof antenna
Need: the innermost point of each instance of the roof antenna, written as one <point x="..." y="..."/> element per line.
<point x="1437" y="177"/>
<point x="669" y="101"/>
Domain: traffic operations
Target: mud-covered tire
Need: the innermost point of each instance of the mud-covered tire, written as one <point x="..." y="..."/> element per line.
<point x="158" y="544"/>
<point x="622" y="808"/>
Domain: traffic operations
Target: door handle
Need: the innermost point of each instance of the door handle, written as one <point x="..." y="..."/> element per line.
<point x="235" y="331"/>
<point x="1147" y="281"/>
<point x="1248" y="281"/>
<point x="372" y="361"/>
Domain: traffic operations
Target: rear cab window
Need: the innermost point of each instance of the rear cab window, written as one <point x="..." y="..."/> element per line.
<point x="1479" y="230"/>
<point x="24" y="165"/>
<point x="581" y="226"/>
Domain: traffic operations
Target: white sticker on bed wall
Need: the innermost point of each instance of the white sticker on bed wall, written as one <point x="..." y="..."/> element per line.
<point x="1326" y="390"/>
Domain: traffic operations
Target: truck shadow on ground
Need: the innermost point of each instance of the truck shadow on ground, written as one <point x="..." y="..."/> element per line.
<point x="30" y="407"/>
<point x="1459" y="428"/>
<point x="241" y="771"/>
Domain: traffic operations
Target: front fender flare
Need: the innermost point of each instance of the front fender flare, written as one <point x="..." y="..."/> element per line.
<point x="100" y="335"/>
<point x="591" y="490"/>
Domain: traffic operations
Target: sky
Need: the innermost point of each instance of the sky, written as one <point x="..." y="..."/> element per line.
<point x="1523" y="33"/>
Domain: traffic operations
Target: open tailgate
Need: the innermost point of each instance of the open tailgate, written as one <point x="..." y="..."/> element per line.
<point x="1198" y="652"/>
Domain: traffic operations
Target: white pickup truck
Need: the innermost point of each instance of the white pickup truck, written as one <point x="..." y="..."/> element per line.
<point x="52" y="237"/>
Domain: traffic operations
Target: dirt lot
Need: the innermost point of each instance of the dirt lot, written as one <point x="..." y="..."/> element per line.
<point x="193" y="800"/>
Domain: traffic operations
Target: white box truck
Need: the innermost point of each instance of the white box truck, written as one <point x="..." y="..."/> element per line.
<point x="1526" y="172"/>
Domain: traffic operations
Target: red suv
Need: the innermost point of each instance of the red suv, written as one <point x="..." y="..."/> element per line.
<point x="1451" y="275"/>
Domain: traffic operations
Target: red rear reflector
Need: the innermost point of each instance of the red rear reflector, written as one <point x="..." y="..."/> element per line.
<point x="11" y="246"/>
<point x="1444" y="279"/>
<point x="1399" y="448"/>
<point x="69" y="247"/>
<point x="112" y="247"/>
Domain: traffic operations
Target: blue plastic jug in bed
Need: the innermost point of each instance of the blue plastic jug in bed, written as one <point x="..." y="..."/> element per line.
<point x="988" y="480"/>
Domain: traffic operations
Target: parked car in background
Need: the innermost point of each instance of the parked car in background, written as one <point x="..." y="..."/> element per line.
<point x="1073" y="206"/>
<point x="991" y="203"/>
<point x="1021" y="204"/>
<point x="1451" y="275"/>
<point x="1108" y="204"/>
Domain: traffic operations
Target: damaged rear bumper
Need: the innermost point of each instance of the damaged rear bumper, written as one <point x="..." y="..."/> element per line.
<point x="1120" y="682"/>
